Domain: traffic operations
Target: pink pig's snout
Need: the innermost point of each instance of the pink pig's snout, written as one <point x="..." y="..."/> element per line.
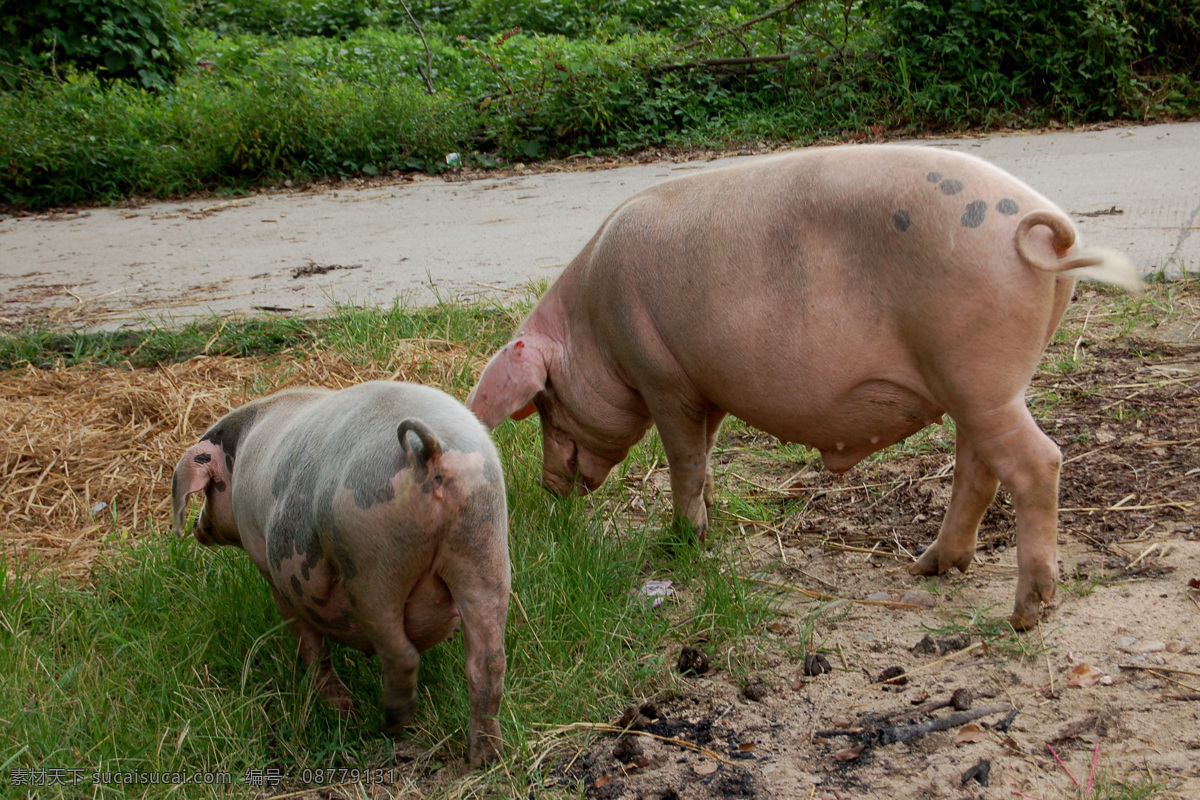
<point x="570" y="469"/>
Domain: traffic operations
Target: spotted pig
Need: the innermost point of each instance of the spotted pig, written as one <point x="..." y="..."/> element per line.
<point x="843" y="298"/>
<point x="377" y="515"/>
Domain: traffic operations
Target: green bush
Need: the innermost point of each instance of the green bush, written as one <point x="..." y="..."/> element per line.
<point x="988" y="60"/>
<point x="140" y="40"/>
<point x="82" y="141"/>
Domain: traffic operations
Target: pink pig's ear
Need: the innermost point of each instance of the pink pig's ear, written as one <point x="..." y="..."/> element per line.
<point x="198" y="468"/>
<point x="512" y="379"/>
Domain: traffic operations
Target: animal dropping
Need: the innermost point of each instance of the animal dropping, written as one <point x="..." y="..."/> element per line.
<point x="377" y="515"/>
<point x="843" y="298"/>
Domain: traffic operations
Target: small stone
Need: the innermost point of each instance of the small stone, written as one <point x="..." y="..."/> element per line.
<point x="918" y="598"/>
<point x="865" y="636"/>
<point x="1147" y="646"/>
<point x="1001" y="548"/>
<point x="879" y="597"/>
<point x="841" y="721"/>
<point x="1176" y="646"/>
<point x="837" y="605"/>
<point x="1126" y="642"/>
<point x="754" y="690"/>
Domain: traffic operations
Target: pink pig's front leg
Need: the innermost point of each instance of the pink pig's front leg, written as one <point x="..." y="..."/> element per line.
<point x="688" y="438"/>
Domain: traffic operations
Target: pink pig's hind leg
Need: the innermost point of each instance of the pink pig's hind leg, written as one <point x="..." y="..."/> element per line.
<point x="481" y="591"/>
<point x="974" y="488"/>
<point x="1027" y="462"/>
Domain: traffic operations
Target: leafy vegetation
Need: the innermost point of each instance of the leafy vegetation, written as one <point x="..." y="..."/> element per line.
<point x="303" y="89"/>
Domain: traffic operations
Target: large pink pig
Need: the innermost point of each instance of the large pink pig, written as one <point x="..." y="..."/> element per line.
<point x="843" y="298"/>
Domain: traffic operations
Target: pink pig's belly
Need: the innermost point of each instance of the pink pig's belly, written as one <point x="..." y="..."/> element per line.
<point x="430" y="615"/>
<point x="845" y="426"/>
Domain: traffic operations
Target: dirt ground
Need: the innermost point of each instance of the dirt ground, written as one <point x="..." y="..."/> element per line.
<point x="1112" y="673"/>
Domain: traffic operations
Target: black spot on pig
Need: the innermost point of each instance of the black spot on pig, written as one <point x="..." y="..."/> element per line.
<point x="371" y="478"/>
<point x="291" y="527"/>
<point x="228" y="432"/>
<point x="1007" y="207"/>
<point x="297" y="589"/>
<point x="973" y="216"/>
<point x="950" y="186"/>
<point x="902" y="220"/>
<point x="203" y="458"/>
<point x="933" y="177"/>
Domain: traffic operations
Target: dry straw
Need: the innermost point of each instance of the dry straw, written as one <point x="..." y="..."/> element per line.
<point x="88" y="452"/>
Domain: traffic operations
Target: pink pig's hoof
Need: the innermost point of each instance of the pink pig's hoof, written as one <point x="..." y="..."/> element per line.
<point x="933" y="562"/>
<point x="485" y="750"/>
<point x="337" y="696"/>
<point x="396" y="718"/>
<point x="1033" y="592"/>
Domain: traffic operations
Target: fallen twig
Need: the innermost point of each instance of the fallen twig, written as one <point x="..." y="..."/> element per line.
<point x="907" y="732"/>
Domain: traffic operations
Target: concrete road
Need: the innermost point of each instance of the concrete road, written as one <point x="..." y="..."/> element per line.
<point x="1136" y="189"/>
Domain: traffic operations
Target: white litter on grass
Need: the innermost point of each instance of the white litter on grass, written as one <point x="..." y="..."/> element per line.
<point x="98" y="507"/>
<point x="659" y="590"/>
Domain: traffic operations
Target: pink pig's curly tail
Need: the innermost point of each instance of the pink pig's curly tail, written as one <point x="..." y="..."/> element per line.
<point x="1094" y="263"/>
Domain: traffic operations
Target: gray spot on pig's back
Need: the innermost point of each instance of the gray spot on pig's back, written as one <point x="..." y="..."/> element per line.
<point x="902" y="220"/>
<point x="950" y="186"/>
<point x="370" y="477"/>
<point x="1007" y="207"/>
<point x="973" y="216"/>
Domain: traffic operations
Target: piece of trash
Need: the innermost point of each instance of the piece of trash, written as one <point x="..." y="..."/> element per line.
<point x="705" y="767"/>
<point x="659" y="590"/>
<point x="98" y="507"/>
<point x="453" y="160"/>
<point x="602" y="781"/>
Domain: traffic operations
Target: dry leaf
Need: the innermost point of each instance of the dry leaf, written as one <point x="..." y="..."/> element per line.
<point x="841" y="722"/>
<point x="602" y="781"/>
<point x="971" y="733"/>
<point x="705" y="767"/>
<point x="746" y="747"/>
<point x="1084" y="675"/>
<point x="849" y="753"/>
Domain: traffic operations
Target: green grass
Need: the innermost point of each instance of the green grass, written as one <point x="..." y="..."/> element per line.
<point x="175" y="658"/>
